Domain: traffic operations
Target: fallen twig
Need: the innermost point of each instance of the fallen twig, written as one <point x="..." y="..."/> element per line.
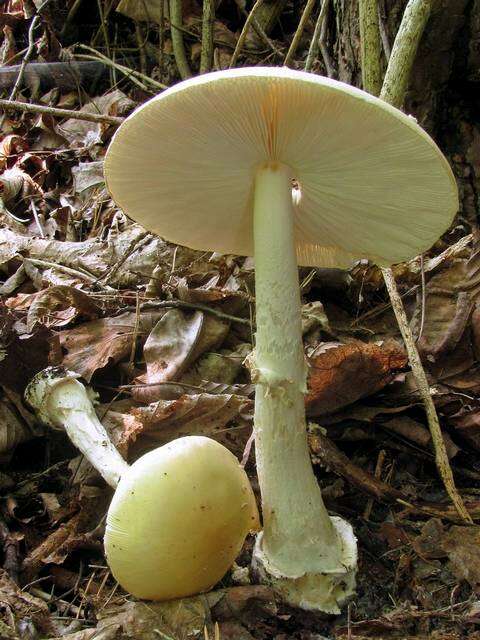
<point x="12" y="105"/>
<point x="330" y="456"/>
<point x="135" y="76"/>
<point x="393" y="91"/>
<point x="180" y="304"/>
<point x="28" y="54"/>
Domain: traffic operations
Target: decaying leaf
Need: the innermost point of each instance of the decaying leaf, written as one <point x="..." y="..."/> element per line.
<point x="94" y="345"/>
<point x="23" y="354"/>
<point x="87" y="134"/>
<point x="127" y="257"/>
<point x="146" y="11"/>
<point x="60" y="305"/>
<point x="418" y="433"/>
<point x="462" y="545"/>
<point x="24" y="606"/>
<point x="13" y="431"/>
<point x="200" y="414"/>
<point x="176" y="341"/>
<point x="343" y="373"/>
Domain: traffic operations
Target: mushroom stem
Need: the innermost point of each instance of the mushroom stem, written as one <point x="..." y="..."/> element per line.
<point x="299" y="537"/>
<point x="63" y="402"/>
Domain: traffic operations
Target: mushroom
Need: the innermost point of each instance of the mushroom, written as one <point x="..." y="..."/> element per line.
<point x="180" y="513"/>
<point x="295" y="169"/>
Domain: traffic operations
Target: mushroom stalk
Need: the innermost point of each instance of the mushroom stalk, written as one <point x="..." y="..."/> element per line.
<point x="299" y="538"/>
<point x="64" y="403"/>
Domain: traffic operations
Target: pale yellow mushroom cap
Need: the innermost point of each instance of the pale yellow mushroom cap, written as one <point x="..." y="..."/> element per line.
<point x="178" y="519"/>
<point x="373" y="183"/>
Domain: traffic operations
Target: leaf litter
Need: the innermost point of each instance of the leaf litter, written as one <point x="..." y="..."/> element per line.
<point x="81" y="286"/>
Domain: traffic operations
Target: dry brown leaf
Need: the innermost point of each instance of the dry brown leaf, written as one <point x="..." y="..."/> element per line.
<point x="201" y="414"/>
<point x="418" y="433"/>
<point x="13" y="431"/>
<point x="344" y="373"/>
<point x="88" y="175"/>
<point x="174" y="344"/>
<point x="23" y="354"/>
<point x="132" y="252"/>
<point x="462" y="545"/>
<point x="169" y="348"/>
<point x="468" y="426"/>
<point x="17" y="184"/>
<point x="60" y="305"/>
<point x="88" y="134"/>
<point x="24" y="606"/>
<point x="96" y="344"/>
<point x="10" y="147"/>
<point x="145" y="11"/>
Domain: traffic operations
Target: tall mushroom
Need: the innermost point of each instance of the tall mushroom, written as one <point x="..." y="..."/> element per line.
<point x="210" y="164"/>
<point x="180" y="513"/>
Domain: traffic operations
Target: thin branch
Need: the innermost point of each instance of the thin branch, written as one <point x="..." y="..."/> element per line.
<point x="299" y="32"/>
<point x="180" y="304"/>
<point x="132" y="74"/>
<point x="404" y="51"/>
<point x="70" y="16"/>
<point x="161" y="36"/>
<point x="370" y="46"/>
<point x="141" y="47"/>
<point x="176" y="18"/>
<point x="12" y="105"/>
<point x="329" y="455"/>
<point x="258" y="27"/>
<point x="327" y="60"/>
<point x="244" y="32"/>
<point x="208" y="21"/>
<point x="393" y="91"/>
<point x="382" y="20"/>
<point x="106" y="39"/>
<point x="441" y="456"/>
<point x="315" y="43"/>
<point x="28" y="54"/>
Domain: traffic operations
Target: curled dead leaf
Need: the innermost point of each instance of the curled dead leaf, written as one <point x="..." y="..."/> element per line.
<point x="60" y="305"/>
<point x="344" y="373"/>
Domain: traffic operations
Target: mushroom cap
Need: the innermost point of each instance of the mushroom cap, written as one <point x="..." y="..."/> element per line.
<point x="178" y="519"/>
<point x="373" y="184"/>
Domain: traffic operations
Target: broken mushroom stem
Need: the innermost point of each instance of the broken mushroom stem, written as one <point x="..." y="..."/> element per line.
<point x="62" y="402"/>
<point x="310" y="556"/>
<point x="179" y="514"/>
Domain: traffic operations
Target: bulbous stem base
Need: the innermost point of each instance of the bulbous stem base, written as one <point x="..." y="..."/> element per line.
<point x="327" y="591"/>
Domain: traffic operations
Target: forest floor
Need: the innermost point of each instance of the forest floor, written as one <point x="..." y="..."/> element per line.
<point x="86" y="288"/>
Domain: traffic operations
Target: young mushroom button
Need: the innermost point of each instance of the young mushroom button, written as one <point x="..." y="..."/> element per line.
<point x="210" y="164"/>
<point x="180" y="513"/>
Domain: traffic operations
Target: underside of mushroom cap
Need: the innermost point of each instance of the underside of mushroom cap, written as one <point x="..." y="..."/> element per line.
<point x="371" y="183"/>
